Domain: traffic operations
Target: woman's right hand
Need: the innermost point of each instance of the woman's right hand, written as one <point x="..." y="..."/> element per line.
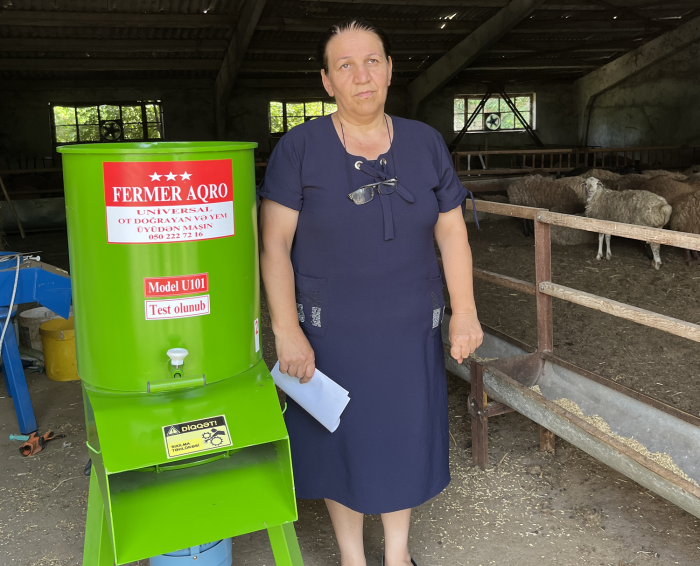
<point x="295" y="355"/>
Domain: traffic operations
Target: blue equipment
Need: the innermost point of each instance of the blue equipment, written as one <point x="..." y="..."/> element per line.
<point x="25" y="280"/>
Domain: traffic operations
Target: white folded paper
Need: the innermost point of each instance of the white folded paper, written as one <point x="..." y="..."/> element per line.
<point x="321" y="397"/>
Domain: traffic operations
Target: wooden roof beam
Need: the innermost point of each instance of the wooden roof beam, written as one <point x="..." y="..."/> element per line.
<point x="56" y="18"/>
<point x="452" y="27"/>
<point x="112" y="45"/>
<point x="96" y="64"/>
<point x="589" y="87"/>
<point x="250" y="15"/>
<point x="467" y="50"/>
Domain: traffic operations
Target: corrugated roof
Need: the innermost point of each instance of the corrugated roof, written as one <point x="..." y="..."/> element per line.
<point x="196" y="33"/>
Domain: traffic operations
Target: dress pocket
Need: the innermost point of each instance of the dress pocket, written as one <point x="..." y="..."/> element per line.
<point x="437" y="304"/>
<point x="312" y="304"/>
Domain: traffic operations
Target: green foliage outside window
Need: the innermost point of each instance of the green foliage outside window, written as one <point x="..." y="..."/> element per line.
<point x="506" y="118"/>
<point x="285" y="115"/>
<point x="136" y="121"/>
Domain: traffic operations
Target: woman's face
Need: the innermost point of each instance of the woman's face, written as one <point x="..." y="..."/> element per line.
<point x="359" y="73"/>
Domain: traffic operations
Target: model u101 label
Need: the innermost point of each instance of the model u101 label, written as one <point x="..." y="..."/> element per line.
<point x="176" y="286"/>
<point x="183" y="439"/>
<point x="154" y="202"/>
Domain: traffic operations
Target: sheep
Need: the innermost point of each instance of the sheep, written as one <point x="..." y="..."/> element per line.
<point x="686" y="218"/>
<point x="663" y="173"/>
<point x="626" y="182"/>
<point x="631" y="207"/>
<point x="692" y="170"/>
<point x="666" y="187"/>
<point x="601" y="175"/>
<point x="565" y="195"/>
<point x="693" y="179"/>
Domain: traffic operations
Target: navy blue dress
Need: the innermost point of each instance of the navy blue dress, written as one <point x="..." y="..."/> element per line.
<point x="370" y="300"/>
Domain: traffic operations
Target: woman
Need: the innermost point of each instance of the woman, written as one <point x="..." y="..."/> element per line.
<point x="351" y="203"/>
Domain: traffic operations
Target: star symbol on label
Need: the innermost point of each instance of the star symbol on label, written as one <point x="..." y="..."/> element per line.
<point x="170" y="176"/>
<point x="186" y="175"/>
<point x="155" y="177"/>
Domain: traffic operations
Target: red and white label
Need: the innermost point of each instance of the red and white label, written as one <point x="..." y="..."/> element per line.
<point x="257" y="335"/>
<point x="175" y="286"/>
<point x="154" y="202"/>
<point x="177" y="308"/>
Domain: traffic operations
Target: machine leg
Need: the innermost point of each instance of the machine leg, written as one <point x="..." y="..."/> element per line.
<point x="98" y="546"/>
<point x="285" y="545"/>
<point x="16" y="383"/>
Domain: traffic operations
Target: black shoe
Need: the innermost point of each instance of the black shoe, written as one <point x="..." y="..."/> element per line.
<point x="412" y="561"/>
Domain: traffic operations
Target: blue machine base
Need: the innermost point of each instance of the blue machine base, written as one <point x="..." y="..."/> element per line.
<point x="212" y="554"/>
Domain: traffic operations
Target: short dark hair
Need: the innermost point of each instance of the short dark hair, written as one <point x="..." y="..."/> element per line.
<point x="345" y="25"/>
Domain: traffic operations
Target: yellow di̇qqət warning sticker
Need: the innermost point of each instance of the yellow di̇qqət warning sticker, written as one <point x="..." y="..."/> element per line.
<point x="192" y="437"/>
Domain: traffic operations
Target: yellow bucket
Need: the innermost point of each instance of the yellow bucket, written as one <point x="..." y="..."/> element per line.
<point x="58" y="339"/>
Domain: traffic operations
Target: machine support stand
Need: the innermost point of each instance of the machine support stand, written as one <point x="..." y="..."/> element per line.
<point x="15" y="381"/>
<point x="98" y="546"/>
<point x="285" y="546"/>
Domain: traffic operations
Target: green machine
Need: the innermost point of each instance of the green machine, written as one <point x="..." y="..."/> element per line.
<point x="184" y="428"/>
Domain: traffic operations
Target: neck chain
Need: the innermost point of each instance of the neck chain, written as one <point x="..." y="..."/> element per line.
<point x="391" y="143"/>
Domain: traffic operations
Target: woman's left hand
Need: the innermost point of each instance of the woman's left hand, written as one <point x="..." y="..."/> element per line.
<point x="466" y="335"/>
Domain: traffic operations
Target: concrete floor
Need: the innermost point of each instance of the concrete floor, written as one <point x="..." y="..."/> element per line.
<point x="527" y="509"/>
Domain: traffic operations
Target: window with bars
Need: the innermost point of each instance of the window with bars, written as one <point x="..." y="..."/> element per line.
<point x="115" y="122"/>
<point x="496" y="115"/>
<point x="285" y="115"/>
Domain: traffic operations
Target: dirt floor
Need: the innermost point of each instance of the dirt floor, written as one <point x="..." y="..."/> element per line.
<point x="527" y="509"/>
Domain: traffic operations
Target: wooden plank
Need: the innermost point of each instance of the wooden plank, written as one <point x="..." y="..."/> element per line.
<point x="505" y="281"/>
<point x="309" y="24"/>
<point x="228" y="70"/>
<point x="547" y="440"/>
<point x="574" y="150"/>
<point x="95" y="64"/>
<point x="309" y="47"/>
<point x="113" y="45"/>
<point x="520" y="171"/>
<point x="656" y="235"/>
<point x="505" y="209"/>
<point x="462" y="55"/>
<point x="531" y="64"/>
<point x="543" y="272"/>
<point x="58" y="18"/>
<point x="621" y="310"/>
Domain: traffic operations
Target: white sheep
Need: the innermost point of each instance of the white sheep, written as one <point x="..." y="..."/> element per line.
<point x="631" y="207"/>
<point x="565" y="195"/>
<point x="668" y="188"/>
<point x="686" y="218"/>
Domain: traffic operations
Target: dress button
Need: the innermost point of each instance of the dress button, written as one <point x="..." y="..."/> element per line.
<point x="382" y="161"/>
<point x="357" y="164"/>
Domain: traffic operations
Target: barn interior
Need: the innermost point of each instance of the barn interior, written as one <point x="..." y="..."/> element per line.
<point x="519" y="90"/>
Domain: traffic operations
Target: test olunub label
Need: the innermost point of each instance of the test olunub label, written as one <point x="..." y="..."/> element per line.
<point x="168" y="201"/>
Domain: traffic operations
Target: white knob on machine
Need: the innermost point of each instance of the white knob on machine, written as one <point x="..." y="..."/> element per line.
<point x="177" y="356"/>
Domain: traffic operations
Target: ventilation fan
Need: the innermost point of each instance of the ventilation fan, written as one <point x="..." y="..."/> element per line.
<point x="493" y="121"/>
<point x="111" y="130"/>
